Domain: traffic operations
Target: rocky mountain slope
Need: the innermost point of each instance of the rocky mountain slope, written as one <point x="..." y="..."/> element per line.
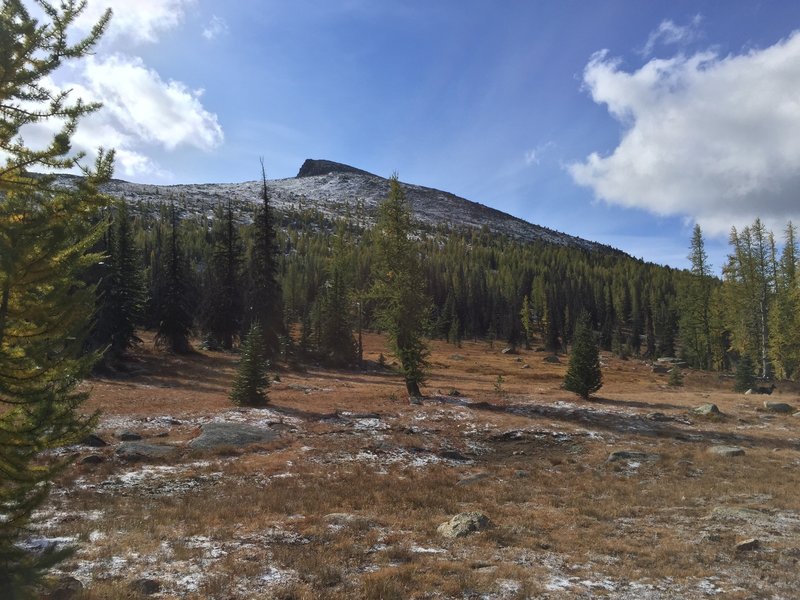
<point x="333" y="188"/>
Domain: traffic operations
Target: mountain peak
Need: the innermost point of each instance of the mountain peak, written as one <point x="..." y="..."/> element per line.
<point x="313" y="166"/>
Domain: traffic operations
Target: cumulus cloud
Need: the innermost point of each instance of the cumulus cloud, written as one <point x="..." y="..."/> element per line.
<point x="137" y="20"/>
<point x="166" y="113"/>
<point x="715" y="139"/>
<point x="669" y="33"/>
<point x="215" y="28"/>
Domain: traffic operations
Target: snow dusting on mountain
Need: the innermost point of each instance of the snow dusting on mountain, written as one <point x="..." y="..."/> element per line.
<point x="334" y="189"/>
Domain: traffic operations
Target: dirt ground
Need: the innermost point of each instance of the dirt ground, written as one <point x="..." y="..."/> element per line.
<point x="346" y="500"/>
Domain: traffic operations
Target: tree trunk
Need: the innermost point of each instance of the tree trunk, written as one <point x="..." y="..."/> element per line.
<point x="413" y="389"/>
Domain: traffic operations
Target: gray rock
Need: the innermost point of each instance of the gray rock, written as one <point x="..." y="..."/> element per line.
<point x="522" y="474"/>
<point x="94" y="441"/>
<point x="464" y="524"/>
<point x="127" y="436"/>
<point x="525" y="366"/>
<point x="347" y="520"/>
<point x="453" y="455"/>
<point x="92" y="459"/>
<point x="65" y="588"/>
<point x="142" y="451"/>
<point x="778" y="407"/>
<point x="218" y="435"/>
<point x="727" y="450"/>
<point x="660" y="369"/>
<point x="797" y="414"/>
<point x="618" y="455"/>
<point x="552" y="358"/>
<point x="145" y="586"/>
<point x="470" y="479"/>
<point x="508" y="350"/>
<point x="659" y="417"/>
<point x="747" y="545"/>
<point x="706" y="410"/>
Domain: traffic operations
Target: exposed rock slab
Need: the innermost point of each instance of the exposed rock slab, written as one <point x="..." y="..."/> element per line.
<point x="727" y="450"/>
<point x="236" y="435"/>
<point x="778" y="407"/>
<point x="634" y="455"/>
<point x="747" y="545"/>
<point x="143" y="451"/>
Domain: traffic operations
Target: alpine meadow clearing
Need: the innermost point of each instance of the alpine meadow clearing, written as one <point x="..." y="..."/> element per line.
<point x="621" y="496"/>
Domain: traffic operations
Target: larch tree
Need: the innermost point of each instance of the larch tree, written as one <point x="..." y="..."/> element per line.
<point x="695" y="319"/>
<point x="46" y="237"/>
<point x="785" y="315"/>
<point x="402" y="307"/>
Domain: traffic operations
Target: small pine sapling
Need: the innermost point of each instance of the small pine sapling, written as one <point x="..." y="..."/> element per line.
<point x="252" y="379"/>
<point x="583" y="373"/>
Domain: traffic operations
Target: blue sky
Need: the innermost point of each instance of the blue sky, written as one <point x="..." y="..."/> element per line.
<point x="623" y="122"/>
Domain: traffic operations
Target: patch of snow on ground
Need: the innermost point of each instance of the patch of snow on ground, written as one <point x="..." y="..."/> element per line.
<point x="422" y="550"/>
<point x="274" y="576"/>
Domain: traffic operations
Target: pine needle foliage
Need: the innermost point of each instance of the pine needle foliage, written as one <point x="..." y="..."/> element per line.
<point x="583" y="373"/>
<point x="744" y="377"/>
<point x="403" y="309"/>
<point x="252" y="380"/>
<point x="46" y="241"/>
<point x="265" y="297"/>
<point x="173" y="304"/>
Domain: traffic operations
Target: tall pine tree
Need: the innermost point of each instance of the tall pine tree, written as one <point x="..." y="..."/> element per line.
<point x="695" y="319"/>
<point x="222" y="308"/>
<point x="336" y="344"/>
<point x="46" y="236"/>
<point x="121" y="290"/>
<point x="265" y="298"/>
<point x="172" y="291"/>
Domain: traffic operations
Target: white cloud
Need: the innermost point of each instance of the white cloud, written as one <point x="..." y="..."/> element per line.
<point x="715" y="139"/>
<point x="531" y="157"/>
<point x="668" y="33"/>
<point x="534" y="155"/>
<point x="215" y="28"/>
<point x="137" y="20"/>
<point x="161" y="112"/>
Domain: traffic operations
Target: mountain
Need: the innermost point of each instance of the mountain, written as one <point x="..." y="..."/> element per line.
<point x="333" y="188"/>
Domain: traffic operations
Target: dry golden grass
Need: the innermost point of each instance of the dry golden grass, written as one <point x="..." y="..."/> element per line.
<point x="261" y="521"/>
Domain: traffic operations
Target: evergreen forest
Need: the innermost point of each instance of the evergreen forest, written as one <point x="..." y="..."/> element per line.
<point x="480" y="286"/>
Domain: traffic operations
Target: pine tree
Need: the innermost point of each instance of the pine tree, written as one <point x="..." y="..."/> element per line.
<point x="252" y="381"/>
<point x="46" y="237"/>
<point x="120" y="290"/>
<point x="172" y="292"/>
<point x="403" y="309"/>
<point x="336" y="344"/>
<point x="695" y="320"/>
<point x="745" y="374"/>
<point x="265" y="298"/>
<point x="583" y="373"/>
<point x="222" y="307"/>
